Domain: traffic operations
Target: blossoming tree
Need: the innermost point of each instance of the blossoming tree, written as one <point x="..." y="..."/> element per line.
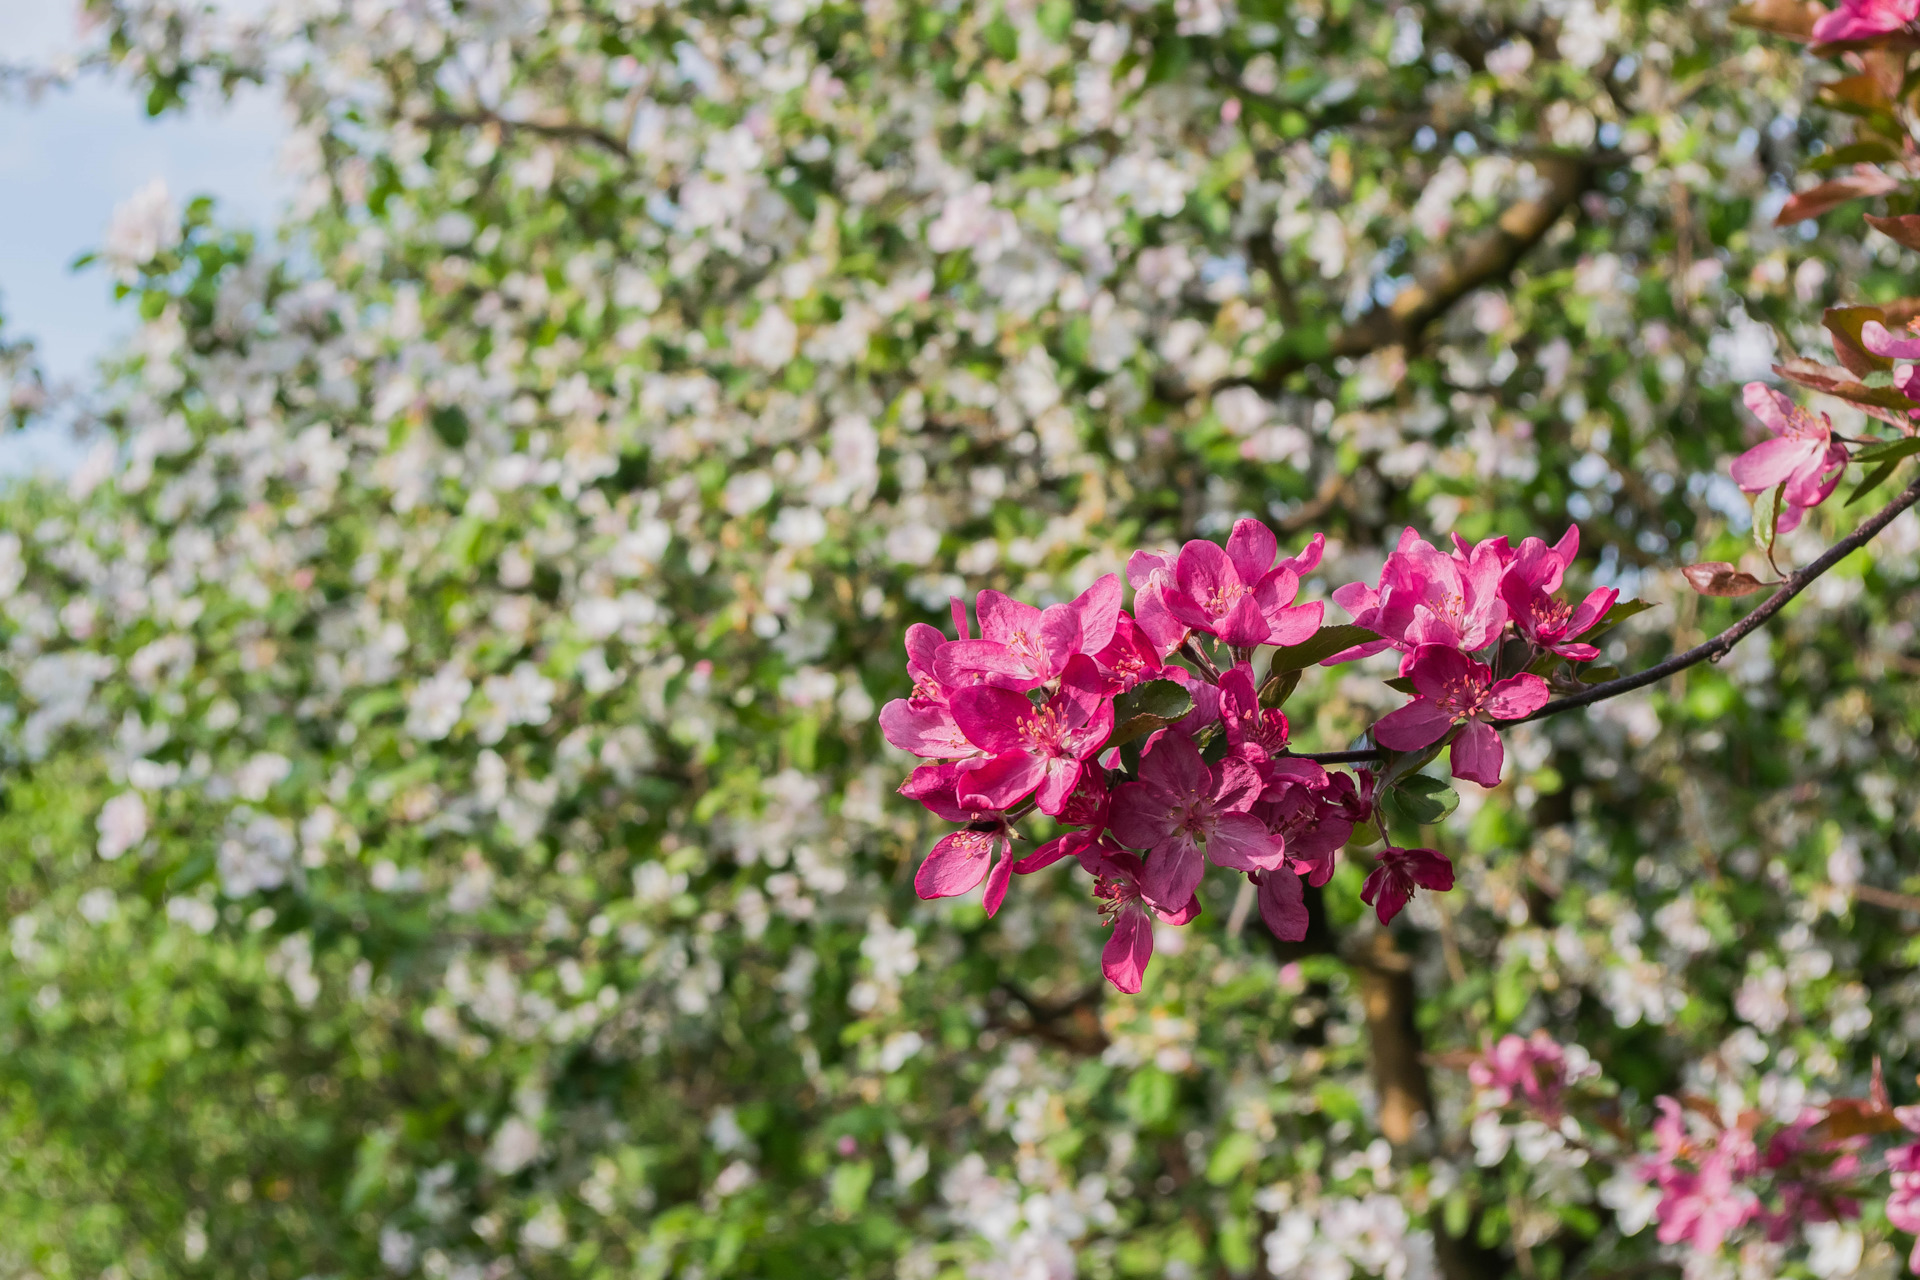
<point x="452" y="719"/>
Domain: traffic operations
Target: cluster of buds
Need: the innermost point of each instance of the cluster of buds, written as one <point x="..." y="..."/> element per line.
<point x="1155" y="739"/>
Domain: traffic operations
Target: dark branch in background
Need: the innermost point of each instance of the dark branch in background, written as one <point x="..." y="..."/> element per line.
<point x="1489" y="256"/>
<point x="1709" y="651"/>
<point x="558" y="130"/>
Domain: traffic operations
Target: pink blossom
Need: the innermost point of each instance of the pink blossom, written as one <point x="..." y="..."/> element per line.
<point x="1087" y="806"/>
<point x="1803" y="455"/>
<point x="1151" y="575"/>
<point x="1456" y="690"/>
<point x="1021" y="647"/>
<point x="1032" y="747"/>
<point x="1533" y="1067"/>
<point x="1119" y="885"/>
<point x="1254" y="732"/>
<point x="922" y="722"/>
<point x="1703" y="1196"/>
<point x="1132" y="658"/>
<point x="959" y="860"/>
<point x="1239" y="594"/>
<point x="1390" y="885"/>
<point x="1425" y="596"/>
<point x="1875" y="336"/>
<point x="1528" y="588"/>
<point x="1283" y="904"/>
<point x="1180" y="805"/>
<point x="1903" y="1200"/>
<point x="1865" y="19"/>
<point x="1311" y="820"/>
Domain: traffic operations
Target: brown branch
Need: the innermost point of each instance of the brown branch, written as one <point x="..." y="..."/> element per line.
<point x="558" y="130"/>
<point x="1709" y="651"/>
<point x="1873" y="895"/>
<point x="1491" y="255"/>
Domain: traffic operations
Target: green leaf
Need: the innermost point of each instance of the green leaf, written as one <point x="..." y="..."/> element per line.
<point x="1235" y="1152"/>
<point x="1889" y="451"/>
<point x="1403" y="683"/>
<point x="1278" y="688"/>
<point x="1147" y="707"/>
<point x="1422" y="801"/>
<point x="1321" y="645"/>
<point x="1874" y="479"/>
<point x="848" y="1188"/>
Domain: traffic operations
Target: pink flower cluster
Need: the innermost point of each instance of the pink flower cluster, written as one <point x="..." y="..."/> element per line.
<point x="1711" y="1174"/>
<point x="1803" y="456"/>
<point x="1049" y="710"/>
<point x="1530" y="1070"/>
<point x="1448" y="613"/>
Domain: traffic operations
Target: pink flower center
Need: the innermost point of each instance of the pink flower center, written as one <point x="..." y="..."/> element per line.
<point x="1041" y="733"/>
<point x="1802" y="425"/>
<point x="1220" y="601"/>
<point x="1463" y="697"/>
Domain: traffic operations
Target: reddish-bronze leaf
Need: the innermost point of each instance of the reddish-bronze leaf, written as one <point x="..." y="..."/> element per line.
<point x="1865" y="180"/>
<point x="1790" y="18"/>
<point x="1718" y="578"/>
<point x="1834" y="381"/>
<point x="1844" y="324"/>
<point x="1903" y="230"/>
<point x="1862" y="91"/>
<point x="1857" y="1117"/>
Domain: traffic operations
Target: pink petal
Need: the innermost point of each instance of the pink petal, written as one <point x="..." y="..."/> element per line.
<point x="1236" y="785"/>
<point x="957" y="862"/>
<point x="1173" y="871"/>
<point x="1430" y="869"/>
<point x="1385" y="892"/>
<point x="1144" y="566"/>
<point x="1059" y="636"/>
<point x="999" y="879"/>
<point x="1002" y="617"/>
<point x="1165" y="631"/>
<point x="1356" y="598"/>
<point x="1099" y="609"/>
<point x="1057" y="784"/>
<point x="1770" y="462"/>
<point x="1001" y="781"/>
<point x="1241" y="842"/>
<point x="1142" y="816"/>
<point x="1517" y="696"/>
<point x="1875" y="338"/>
<point x="926" y="729"/>
<point x="923" y="642"/>
<point x="1083" y="693"/>
<point x="1185" y="915"/>
<point x="1568" y="548"/>
<point x="1124" y="958"/>
<point x="1068" y="845"/>
<point x="1591" y="610"/>
<point x="1763" y="402"/>
<point x="1283" y="905"/>
<point x="962" y="663"/>
<point x="1244" y="626"/>
<point x="1175" y="767"/>
<point x="1252" y="548"/>
<point x="1309" y="558"/>
<point x="1202" y="573"/>
<point x="991" y="718"/>
<point x="1420" y="723"/>
<point x="959" y="609"/>
<point x="1295" y="625"/>
<point x="1477" y="754"/>
<point x="1438" y="670"/>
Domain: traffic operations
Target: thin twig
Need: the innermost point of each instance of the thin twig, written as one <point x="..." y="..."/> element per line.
<point x="1709" y="651"/>
<point x="559" y="131"/>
